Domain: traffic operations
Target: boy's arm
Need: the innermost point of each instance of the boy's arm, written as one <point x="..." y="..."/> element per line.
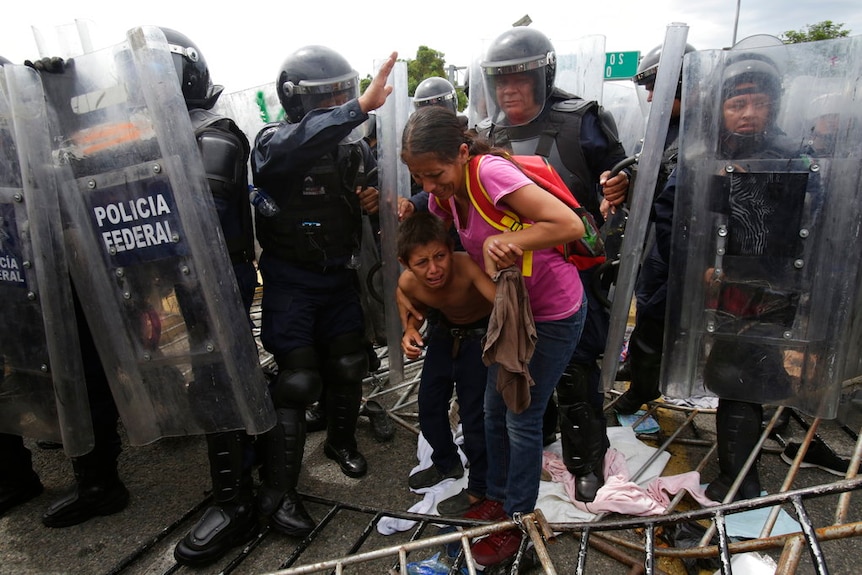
<point x="411" y="341"/>
<point x="481" y="280"/>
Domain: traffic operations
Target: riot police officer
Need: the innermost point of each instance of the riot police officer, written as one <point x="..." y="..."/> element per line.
<point x="751" y="91"/>
<point x="317" y="168"/>
<point x="529" y="115"/>
<point x="19" y="483"/>
<point x="224" y="150"/>
<point x="98" y="489"/>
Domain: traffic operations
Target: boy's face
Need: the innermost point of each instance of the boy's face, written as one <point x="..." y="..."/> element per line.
<point x="431" y="263"/>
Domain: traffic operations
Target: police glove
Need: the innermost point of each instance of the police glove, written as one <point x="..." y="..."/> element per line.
<point x="52" y="65"/>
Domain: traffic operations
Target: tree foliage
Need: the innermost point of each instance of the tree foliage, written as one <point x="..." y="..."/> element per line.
<point x="825" y="30"/>
<point x="428" y="62"/>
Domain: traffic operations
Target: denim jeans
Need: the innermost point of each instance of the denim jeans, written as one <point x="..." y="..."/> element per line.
<point x="514" y="440"/>
<point x="466" y="373"/>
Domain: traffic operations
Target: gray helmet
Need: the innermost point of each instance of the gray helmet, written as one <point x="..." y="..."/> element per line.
<point x="312" y="76"/>
<point x="648" y="68"/>
<point x="436" y="91"/>
<point x="516" y="51"/>
<point x="192" y="71"/>
<point x="4" y="61"/>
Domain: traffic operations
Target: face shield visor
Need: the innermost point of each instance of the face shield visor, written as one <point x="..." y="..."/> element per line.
<point x="516" y="89"/>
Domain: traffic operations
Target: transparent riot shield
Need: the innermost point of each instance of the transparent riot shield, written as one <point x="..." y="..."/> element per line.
<point x="763" y="293"/>
<point x="251" y="108"/>
<point x="150" y="262"/>
<point x="477" y="98"/>
<point x="580" y="66"/>
<point x="641" y="197"/>
<point x="42" y="386"/>
<point x="394" y="183"/>
<point x="621" y="101"/>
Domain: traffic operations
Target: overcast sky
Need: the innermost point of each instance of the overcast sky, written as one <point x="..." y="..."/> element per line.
<point x="245" y="43"/>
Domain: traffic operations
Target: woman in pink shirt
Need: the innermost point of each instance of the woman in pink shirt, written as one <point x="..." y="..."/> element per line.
<point x="437" y="149"/>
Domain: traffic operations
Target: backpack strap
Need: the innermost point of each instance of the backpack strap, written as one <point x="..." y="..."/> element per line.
<point x="503" y="220"/>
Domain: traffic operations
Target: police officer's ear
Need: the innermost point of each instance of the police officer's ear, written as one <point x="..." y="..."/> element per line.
<point x="52" y="65"/>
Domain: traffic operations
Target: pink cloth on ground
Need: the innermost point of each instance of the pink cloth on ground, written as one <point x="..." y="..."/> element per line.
<point x="621" y="495"/>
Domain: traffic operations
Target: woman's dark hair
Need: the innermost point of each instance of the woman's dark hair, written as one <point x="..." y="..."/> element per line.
<point x="435" y="130"/>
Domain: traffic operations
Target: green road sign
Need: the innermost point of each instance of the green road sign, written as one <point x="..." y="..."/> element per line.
<point x="621" y="65"/>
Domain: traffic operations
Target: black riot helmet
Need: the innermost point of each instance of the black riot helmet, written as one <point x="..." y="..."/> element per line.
<point x="315" y="77"/>
<point x="751" y="68"/>
<point x="436" y="91"/>
<point x="519" y="50"/>
<point x="192" y="71"/>
<point x="648" y="69"/>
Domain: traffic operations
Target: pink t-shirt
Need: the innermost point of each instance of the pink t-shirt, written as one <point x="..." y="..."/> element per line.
<point x="554" y="285"/>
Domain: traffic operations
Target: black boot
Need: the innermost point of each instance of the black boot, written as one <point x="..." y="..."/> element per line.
<point x="18" y="482"/>
<point x="584" y="442"/>
<point x="737" y="425"/>
<point x="232" y="520"/>
<point x="340" y="446"/>
<point x="98" y="491"/>
<point x="645" y="351"/>
<point x="277" y="497"/>
<point x="381" y="425"/>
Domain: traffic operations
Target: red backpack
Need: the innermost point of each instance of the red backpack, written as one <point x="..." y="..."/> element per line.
<point x="584" y="253"/>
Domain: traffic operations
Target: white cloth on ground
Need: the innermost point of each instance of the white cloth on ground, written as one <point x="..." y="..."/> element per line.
<point x="647" y="496"/>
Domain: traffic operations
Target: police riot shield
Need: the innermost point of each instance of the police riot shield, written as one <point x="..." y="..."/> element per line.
<point x="251" y="108"/>
<point x="149" y="260"/>
<point x="394" y="181"/>
<point x="641" y="195"/>
<point x="477" y="98"/>
<point x="763" y="293"/>
<point x="42" y="386"/>
<point x="621" y="101"/>
<point x="580" y="66"/>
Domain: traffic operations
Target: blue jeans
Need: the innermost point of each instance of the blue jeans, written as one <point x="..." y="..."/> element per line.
<point x="514" y="440"/>
<point x="466" y="373"/>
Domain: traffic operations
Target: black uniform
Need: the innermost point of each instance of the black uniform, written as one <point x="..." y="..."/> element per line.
<point x="312" y="319"/>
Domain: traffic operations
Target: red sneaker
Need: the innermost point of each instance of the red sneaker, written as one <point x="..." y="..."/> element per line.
<point x="486" y="510"/>
<point x="497" y="547"/>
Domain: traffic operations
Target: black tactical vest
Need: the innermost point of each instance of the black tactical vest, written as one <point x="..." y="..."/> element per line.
<point x="555" y="135"/>
<point x="320" y="221"/>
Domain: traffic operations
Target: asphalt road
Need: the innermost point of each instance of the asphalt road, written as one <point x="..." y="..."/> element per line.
<point x="169" y="483"/>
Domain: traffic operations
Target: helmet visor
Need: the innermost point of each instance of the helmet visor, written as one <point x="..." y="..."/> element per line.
<point x="328" y="92"/>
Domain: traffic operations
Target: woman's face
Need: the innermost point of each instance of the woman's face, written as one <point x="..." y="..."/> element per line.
<point x="438" y="177"/>
<point x="747" y="114"/>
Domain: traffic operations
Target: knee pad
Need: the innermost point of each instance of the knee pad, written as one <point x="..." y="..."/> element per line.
<point x="347" y="362"/>
<point x="298" y="382"/>
<point x="574" y="385"/>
